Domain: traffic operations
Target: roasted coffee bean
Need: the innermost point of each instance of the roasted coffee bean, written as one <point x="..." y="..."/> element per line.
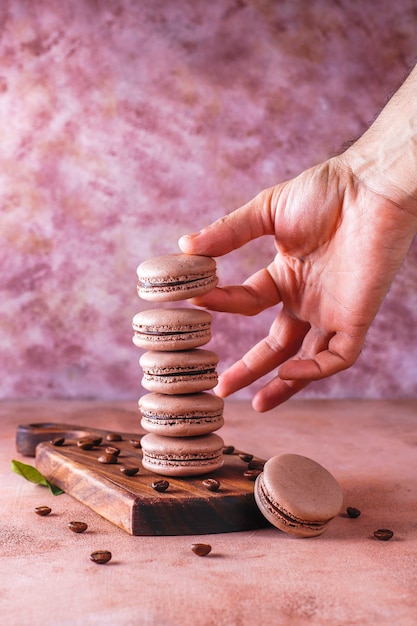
<point x="97" y="440"/>
<point x="59" y="441"/>
<point x="352" y="512"/>
<point x="383" y="534"/>
<point x="160" y="485"/>
<point x="247" y="458"/>
<point x="42" y="510"/>
<point x="77" y="527"/>
<point x="113" y="450"/>
<point x="136" y="443"/>
<point x="86" y="443"/>
<point x="211" y="484"/>
<point x="201" y="549"/>
<point x="252" y="474"/>
<point x="107" y="459"/>
<point x="129" y="471"/>
<point x="228" y="449"/>
<point x="256" y="465"/>
<point x="113" y="437"/>
<point x="101" y="556"/>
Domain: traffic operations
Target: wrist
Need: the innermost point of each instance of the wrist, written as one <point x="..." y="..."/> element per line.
<point x="385" y="157"/>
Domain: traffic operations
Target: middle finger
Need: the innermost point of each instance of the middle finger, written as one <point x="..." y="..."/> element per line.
<point x="285" y="338"/>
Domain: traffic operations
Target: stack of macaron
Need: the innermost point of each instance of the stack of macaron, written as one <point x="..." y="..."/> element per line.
<point x="179" y="414"/>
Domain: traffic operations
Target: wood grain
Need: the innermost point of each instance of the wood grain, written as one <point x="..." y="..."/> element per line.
<point x="187" y="507"/>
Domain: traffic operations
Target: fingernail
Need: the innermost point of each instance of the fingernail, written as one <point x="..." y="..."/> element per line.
<point x="191" y="235"/>
<point x="185" y="241"/>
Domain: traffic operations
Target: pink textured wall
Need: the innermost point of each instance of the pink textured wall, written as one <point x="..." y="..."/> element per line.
<point x="125" y="124"/>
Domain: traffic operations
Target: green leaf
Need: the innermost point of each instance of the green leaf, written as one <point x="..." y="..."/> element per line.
<point x="31" y="474"/>
<point x="54" y="489"/>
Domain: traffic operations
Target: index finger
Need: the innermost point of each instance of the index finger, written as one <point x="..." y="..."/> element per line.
<point x="232" y="231"/>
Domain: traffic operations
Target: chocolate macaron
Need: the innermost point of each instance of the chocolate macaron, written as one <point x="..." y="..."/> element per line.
<point x="298" y="495"/>
<point x="171" y="329"/>
<point x="176" y="277"/>
<point x="181" y="415"/>
<point x="182" y="456"/>
<point x="186" y="371"/>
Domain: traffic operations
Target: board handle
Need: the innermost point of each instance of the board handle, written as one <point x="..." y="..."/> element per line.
<point x="29" y="435"/>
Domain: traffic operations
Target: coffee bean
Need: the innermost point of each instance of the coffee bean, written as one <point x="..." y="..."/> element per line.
<point x="97" y="440"/>
<point x="256" y="465"/>
<point x="252" y="474"/>
<point x="77" y="527"/>
<point x="129" y="471"/>
<point x="211" y="484"/>
<point x="160" y="485"/>
<point x="113" y="450"/>
<point x="86" y="443"/>
<point x="114" y="437"/>
<point x="228" y="449"/>
<point x="43" y="510"/>
<point x="383" y="534"/>
<point x="108" y="459"/>
<point x="136" y="443"/>
<point x="59" y="441"/>
<point x="201" y="549"/>
<point x="101" y="556"/>
<point x="247" y="458"/>
<point x="352" y="512"/>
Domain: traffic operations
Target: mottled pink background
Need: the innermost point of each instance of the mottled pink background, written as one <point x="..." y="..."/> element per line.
<point x="125" y="124"/>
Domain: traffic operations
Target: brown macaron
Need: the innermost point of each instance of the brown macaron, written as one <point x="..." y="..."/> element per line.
<point x="186" y="371"/>
<point x="298" y="495"/>
<point x="182" y="456"/>
<point x="176" y="277"/>
<point x="183" y="415"/>
<point x="171" y="329"/>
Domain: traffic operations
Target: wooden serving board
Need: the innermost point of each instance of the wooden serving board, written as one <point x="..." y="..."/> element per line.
<point x="187" y="507"/>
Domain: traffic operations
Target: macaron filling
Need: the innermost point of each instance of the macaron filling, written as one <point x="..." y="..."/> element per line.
<point x="185" y="458"/>
<point x="166" y="333"/>
<point x="146" y="284"/>
<point x="204" y="424"/>
<point x="202" y="372"/>
<point x="192" y="419"/>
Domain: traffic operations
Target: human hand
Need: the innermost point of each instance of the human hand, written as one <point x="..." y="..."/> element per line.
<point x="339" y="245"/>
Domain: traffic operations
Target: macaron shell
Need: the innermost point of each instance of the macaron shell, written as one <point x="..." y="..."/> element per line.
<point x="182" y="456"/>
<point x="298" y="495"/>
<point x="176" y="277"/>
<point x="182" y="415"/>
<point x="171" y="329"/>
<point x="186" y="371"/>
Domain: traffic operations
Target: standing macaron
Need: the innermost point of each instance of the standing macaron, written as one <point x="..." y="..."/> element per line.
<point x="183" y="415"/>
<point x="186" y="371"/>
<point x="171" y="329"/>
<point x="182" y="456"/>
<point x="298" y="495"/>
<point x="176" y="277"/>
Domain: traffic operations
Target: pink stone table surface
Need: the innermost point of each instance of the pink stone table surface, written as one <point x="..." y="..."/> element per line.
<point x="344" y="578"/>
<point x="126" y="124"/>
